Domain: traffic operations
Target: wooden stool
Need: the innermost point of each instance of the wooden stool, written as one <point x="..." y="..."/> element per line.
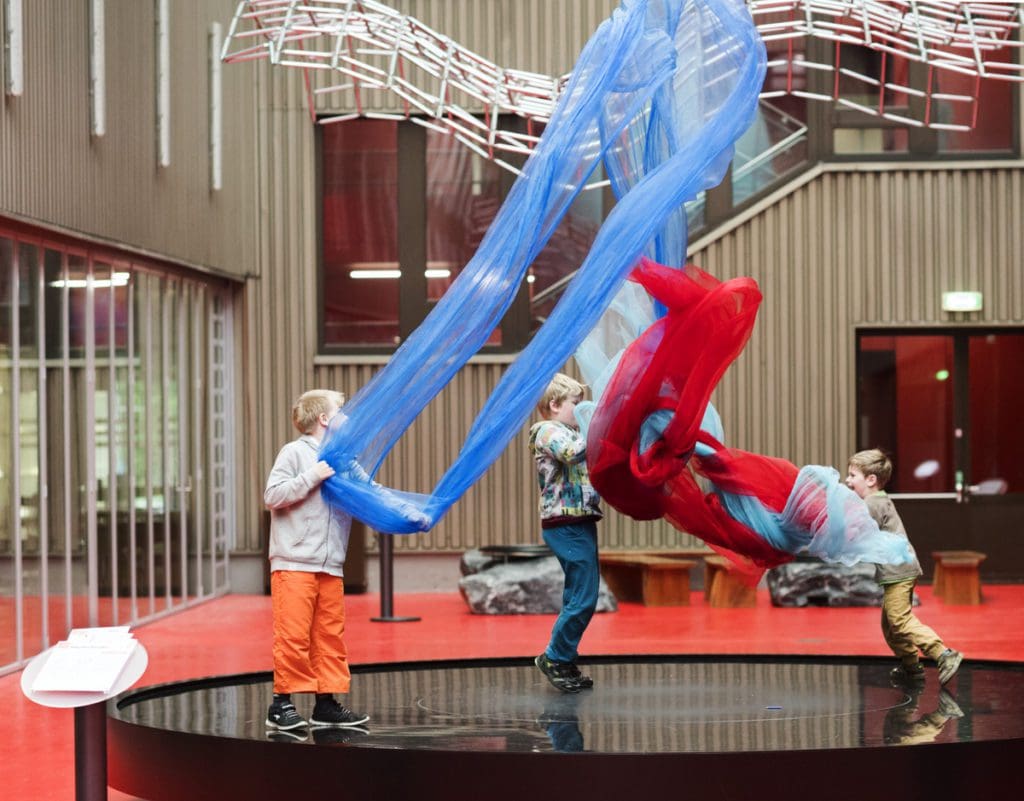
<point x="650" y="580"/>
<point x="723" y="587"/>
<point x="957" y="579"/>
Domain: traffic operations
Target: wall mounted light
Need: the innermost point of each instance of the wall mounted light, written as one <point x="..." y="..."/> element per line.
<point x="374" y="273"/>
<point x="117" y="279"/>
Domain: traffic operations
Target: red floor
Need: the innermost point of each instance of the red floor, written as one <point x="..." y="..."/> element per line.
<point x="232" y="635"/>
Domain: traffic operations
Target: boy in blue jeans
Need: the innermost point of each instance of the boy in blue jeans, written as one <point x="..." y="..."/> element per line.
<point x="569" y="511"/>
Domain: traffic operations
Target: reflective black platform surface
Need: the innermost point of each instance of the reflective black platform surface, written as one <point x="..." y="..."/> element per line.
<point x="652" y="723"/>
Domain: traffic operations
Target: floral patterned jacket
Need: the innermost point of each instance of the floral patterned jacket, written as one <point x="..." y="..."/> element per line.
<point x="566" y="494"/>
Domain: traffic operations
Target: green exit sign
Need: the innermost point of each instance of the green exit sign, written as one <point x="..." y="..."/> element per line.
<point x="961" y="301"/>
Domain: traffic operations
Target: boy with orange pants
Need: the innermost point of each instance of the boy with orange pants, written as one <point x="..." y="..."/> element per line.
<point x="308" y="541"/>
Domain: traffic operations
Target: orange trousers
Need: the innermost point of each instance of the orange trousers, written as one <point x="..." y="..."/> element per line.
<point x="309" y="624"/>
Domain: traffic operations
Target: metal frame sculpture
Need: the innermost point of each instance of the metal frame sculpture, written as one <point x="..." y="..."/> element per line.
<point x="362" y="47"/>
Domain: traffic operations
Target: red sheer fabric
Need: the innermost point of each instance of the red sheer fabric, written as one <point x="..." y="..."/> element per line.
<point x="674" y="366"/>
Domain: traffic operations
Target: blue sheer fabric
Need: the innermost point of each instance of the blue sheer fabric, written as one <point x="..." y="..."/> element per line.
<point x="660" y="92"/>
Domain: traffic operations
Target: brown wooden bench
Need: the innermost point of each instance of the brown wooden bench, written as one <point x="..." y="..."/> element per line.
<point x="957" y="579"/>
<point x="724" y="588"/>
<point x="647" y="579"/>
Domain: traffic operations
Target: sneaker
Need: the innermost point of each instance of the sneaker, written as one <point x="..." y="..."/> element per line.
<point x="583" y="680"/>
<point x="560" y="674"/>
<point x="292" y="736"/>
<point x="948" y="707"/>
<point x="949" y="661"/>
<point x="328" y="712"/>
<point x="283" y="716"/>
<point x="908" y="674"/>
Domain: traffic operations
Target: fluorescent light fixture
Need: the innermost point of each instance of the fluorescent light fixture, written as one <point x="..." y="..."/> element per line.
<point x="374" y="273"/>
<point x="961" y="301"/>
<point x="437" y="273"/>
<point x="117" y="279"/>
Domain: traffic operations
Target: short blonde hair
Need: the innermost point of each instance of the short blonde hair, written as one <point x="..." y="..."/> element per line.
<point x="310" y="405"/>
<point x="875" y="463"/>
<point x="560" y="388"/>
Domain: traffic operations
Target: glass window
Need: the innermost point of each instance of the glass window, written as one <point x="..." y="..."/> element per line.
<point x="870" y="140"/>
<point x="376" y="173"/>
<point x="463" y="196"/>
<point x="564" y="253"/>
<point x="360" y="233"/>
<point x="773" y="145"/>
<point x="7" y="300"/>
<point x="991" y="117"/>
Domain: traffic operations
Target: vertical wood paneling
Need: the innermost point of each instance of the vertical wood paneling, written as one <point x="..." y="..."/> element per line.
<point x="852" y="247"/>
<point x="52" y="170"/>
<point x="858" y="247"/>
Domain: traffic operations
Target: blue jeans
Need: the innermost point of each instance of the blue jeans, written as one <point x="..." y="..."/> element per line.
<point x="575" y="547"/>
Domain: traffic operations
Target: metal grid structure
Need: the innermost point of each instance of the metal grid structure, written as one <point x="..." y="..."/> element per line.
<point x="364" y="47"/>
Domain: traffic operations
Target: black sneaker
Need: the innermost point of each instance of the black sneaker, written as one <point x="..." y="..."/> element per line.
<point x="949" y="661"/>
<point x="328" y="712"/>
<point x="283" y="716"/>
<point x="908" y="674"/>
<point x="560" y="674"/>
<point x="583" y="680"/>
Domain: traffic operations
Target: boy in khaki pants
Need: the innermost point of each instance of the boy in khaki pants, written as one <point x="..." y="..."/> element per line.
<point x="868" y="473"/>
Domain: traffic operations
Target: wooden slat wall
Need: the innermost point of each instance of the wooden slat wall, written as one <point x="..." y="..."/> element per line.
<point x="853" y="246"/>
<point x="858" y="246"/>
<point x="110" y="188"/>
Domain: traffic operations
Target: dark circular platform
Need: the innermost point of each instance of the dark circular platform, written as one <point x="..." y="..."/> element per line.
<point x="698" y="727"/>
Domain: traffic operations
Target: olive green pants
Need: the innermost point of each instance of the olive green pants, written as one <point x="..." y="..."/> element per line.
<point x="904" y="633"/>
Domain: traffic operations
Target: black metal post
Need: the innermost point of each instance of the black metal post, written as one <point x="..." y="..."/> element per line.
<point x="386" y="546"/>
<point x="91" y="752"/>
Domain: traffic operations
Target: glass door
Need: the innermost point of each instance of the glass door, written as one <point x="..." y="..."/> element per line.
<point x="943" y="403"/>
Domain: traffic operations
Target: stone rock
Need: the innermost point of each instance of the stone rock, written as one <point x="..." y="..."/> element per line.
<point x="814" y="583"/>
<point x="493" y="586"/>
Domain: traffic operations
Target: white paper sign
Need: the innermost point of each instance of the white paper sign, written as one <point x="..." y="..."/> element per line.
<point x="89" y="660"/>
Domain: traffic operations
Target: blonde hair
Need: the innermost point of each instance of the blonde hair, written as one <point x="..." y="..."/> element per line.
<point x="875" y="463"/>
<point x="560" y="388"/>
<point x="310" y="405"/>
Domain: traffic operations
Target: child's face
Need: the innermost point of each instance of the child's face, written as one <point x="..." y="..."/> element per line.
<point x="562" y="411"/>
<point x="861" y="484"/>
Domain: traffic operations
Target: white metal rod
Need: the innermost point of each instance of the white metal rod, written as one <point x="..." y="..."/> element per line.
<point x="89" y="423"/>
<point x="216" y="104"/>
<point x="14" y="68"/>
<point x="163" y="83"/>
<point x="98" y="66"/>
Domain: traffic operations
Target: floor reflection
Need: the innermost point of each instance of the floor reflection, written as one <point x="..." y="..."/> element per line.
<point x="637" y="706"/>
